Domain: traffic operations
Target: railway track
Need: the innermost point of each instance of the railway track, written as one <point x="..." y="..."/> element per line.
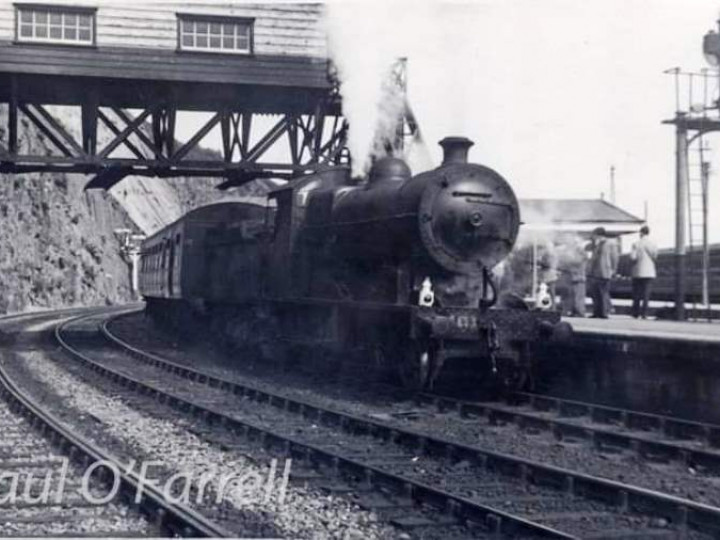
<point x="650" y="436"/>
<point x="498" y="493"/>
<point x="57" y="483"/>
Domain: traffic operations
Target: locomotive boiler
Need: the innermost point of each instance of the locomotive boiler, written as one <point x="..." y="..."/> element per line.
<point x="449" y="226"/>
<point x="393" y="269"/>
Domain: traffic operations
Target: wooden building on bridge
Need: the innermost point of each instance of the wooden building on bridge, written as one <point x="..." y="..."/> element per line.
<point x="208" y="26"/>
<point x="130" y="68"/>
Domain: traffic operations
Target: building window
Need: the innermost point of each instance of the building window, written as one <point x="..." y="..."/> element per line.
<point x="55" y="25"/>
<point x="215" y="34"/>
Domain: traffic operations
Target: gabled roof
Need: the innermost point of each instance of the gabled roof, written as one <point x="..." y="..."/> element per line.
<point x="577" y="211"/>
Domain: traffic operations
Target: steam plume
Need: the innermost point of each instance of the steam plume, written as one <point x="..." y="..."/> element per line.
<point x="364" y="44"/>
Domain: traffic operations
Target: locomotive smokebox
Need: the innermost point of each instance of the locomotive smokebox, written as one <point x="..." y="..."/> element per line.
<point x="455" y="149"/>
<point x="458" y="219"/>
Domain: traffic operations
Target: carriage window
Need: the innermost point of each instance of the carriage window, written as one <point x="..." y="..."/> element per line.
<point x="55" y="24"/>
<point x="215" y="34"/>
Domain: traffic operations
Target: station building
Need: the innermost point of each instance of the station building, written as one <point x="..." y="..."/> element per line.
<point x="234" y="29"/>
<point x="273" y="49"/>
<point x="264" y="46"/>
<point x="580" y="216"/>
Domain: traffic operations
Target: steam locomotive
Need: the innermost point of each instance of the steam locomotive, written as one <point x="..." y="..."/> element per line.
<point x="395" y="269"/>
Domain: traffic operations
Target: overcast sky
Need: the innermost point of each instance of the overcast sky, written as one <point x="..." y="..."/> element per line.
<point x="553" y="92"/>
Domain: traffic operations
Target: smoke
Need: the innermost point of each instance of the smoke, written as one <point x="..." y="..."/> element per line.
<point x="390" y="110"/>
<point x="558" y="255"/>
<point x="418" y="155"/>
<point x="365" y="44"/>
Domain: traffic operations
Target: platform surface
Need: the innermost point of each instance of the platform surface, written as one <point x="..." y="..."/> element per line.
<point x="625" y="326"/>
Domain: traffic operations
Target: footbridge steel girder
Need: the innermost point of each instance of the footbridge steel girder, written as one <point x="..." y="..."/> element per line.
<point x="113" y="138"/>
<point x="151" y="147"/>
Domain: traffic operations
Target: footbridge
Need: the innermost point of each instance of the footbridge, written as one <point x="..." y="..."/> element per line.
<point x="108" y="85"/>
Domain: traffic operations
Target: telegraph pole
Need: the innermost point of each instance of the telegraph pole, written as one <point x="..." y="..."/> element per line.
<point x="706" y="247"/>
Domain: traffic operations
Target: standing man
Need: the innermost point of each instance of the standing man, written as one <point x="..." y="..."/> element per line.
<point x="603" y="265"/>
<point x="576" y="269"/>
<point x="643" y="255"/>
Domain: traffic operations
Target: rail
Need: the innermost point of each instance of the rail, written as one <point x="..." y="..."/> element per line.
<point x="175" y="518"/>
<point x="684" y="512"/>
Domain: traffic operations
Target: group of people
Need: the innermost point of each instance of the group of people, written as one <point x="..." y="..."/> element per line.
<point x="592" y="267"/>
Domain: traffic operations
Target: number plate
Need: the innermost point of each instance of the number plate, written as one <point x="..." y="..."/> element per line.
<point x="465" y="323"/>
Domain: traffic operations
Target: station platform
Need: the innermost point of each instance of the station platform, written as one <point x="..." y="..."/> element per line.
<point x="622" y="326"/>
<point x="650" y="365"/>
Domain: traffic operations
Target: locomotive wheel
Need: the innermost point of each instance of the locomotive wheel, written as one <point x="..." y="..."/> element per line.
<point x="414" y="366"/>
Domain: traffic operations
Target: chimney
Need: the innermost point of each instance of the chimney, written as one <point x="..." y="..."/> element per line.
<point x="455" y="149"/>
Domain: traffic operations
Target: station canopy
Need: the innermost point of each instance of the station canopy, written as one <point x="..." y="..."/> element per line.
<point x="576" y="215"/>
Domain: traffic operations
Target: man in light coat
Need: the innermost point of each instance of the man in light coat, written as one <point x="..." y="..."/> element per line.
<point x="643" y="255"/>
<point x="603" y="266"/>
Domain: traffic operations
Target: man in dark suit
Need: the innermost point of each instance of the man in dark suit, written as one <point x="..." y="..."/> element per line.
<point x="603" y="266"/>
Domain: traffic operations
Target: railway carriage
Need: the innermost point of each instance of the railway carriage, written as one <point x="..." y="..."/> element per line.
<point x="174" y="263"/>
<point x="395" y="267"/>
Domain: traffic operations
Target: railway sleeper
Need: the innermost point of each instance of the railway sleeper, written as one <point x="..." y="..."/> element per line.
<point x="421" y="521"/>
<point x="386" y="507"/>
<point x="336" y="486"/>
<point x="64" y="515"/>
<point x="633" y="534"/>
<point x="304" y="476"/>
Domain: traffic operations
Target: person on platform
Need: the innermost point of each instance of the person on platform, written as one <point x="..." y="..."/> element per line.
<point x="576" y="268"/>
<point x="643" y="255"/>
<point x="603" y="265"/>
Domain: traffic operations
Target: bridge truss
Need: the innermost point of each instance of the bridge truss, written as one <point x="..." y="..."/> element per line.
<point x="112" y="113"/>
<point x="140" y="135"/>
